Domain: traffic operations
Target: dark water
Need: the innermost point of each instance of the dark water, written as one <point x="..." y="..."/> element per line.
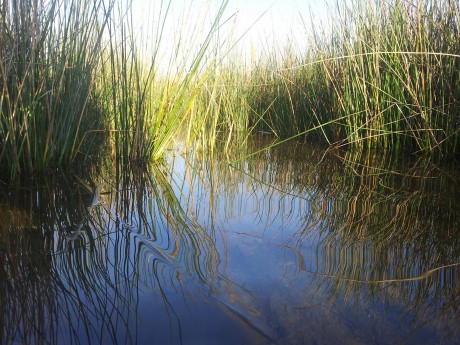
<point x="293" y="245"/>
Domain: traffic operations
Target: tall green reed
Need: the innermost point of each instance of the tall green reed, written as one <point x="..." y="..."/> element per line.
<point x="73" y="72"/>
<point x="153" y="101"/>
<point x="383" y="75"/>
<point x="49" y="55"/>
<point x="402" y="72"/>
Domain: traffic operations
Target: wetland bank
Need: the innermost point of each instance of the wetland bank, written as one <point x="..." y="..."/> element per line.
<point x="302" y="198"/>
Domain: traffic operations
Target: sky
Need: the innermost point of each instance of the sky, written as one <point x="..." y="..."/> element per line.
<point x="261" y="22"/>
<point x="281" y="19"/>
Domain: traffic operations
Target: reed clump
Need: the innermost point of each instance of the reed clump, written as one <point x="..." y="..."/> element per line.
<point x="383" y="75"/>
<point x="49" y="56"/>
<point x="79" y="73"/>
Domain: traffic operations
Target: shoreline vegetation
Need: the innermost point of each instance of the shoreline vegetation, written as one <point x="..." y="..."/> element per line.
<point x="76" y="82"/>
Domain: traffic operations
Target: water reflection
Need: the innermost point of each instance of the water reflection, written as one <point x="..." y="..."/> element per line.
<point x="340" y="247"/>
<point x="291" y="245"/>
<point x="79" y="256"/>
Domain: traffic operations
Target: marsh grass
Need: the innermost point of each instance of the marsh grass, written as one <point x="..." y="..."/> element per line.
<point x="152" y="105"/>
<point x="75" y="74"/>
<point x="383" y="75"/>
<point x="49" y="56"/>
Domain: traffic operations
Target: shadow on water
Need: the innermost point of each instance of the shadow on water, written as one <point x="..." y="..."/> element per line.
<point x="293" y="245"/>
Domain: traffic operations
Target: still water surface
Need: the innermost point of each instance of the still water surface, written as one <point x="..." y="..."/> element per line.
<point x="292" y="245"/>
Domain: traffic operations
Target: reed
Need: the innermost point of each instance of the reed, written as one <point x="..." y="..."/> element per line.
<point x="153" y="102"/>
<point x="76" y="74"/>
<point x="384" y="75"/>
<point x="49" y="56"/>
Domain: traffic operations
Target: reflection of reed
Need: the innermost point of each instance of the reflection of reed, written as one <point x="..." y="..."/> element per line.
<point x="381" y="226"/>
<point x="77" y="254"/>
<point x="72" y="268"/>
<point x="62" y="288"/>
<point x="24" y="278"/>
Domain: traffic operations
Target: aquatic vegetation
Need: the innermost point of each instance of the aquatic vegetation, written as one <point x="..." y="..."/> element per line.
<point x="74" y="78"/>
<point x="151" y="105"/>
<point x="383" y="75"/>
<point x="271" y="230"/>
<point x="79" y="78"/>
<point x="50" y="54"/>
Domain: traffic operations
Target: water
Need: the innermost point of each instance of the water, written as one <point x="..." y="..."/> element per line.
<point x="292" y="245"/>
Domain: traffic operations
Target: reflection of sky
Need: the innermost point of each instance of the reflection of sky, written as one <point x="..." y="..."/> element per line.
<point x="278" y="250"/>
<point x="254" y="268"/>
